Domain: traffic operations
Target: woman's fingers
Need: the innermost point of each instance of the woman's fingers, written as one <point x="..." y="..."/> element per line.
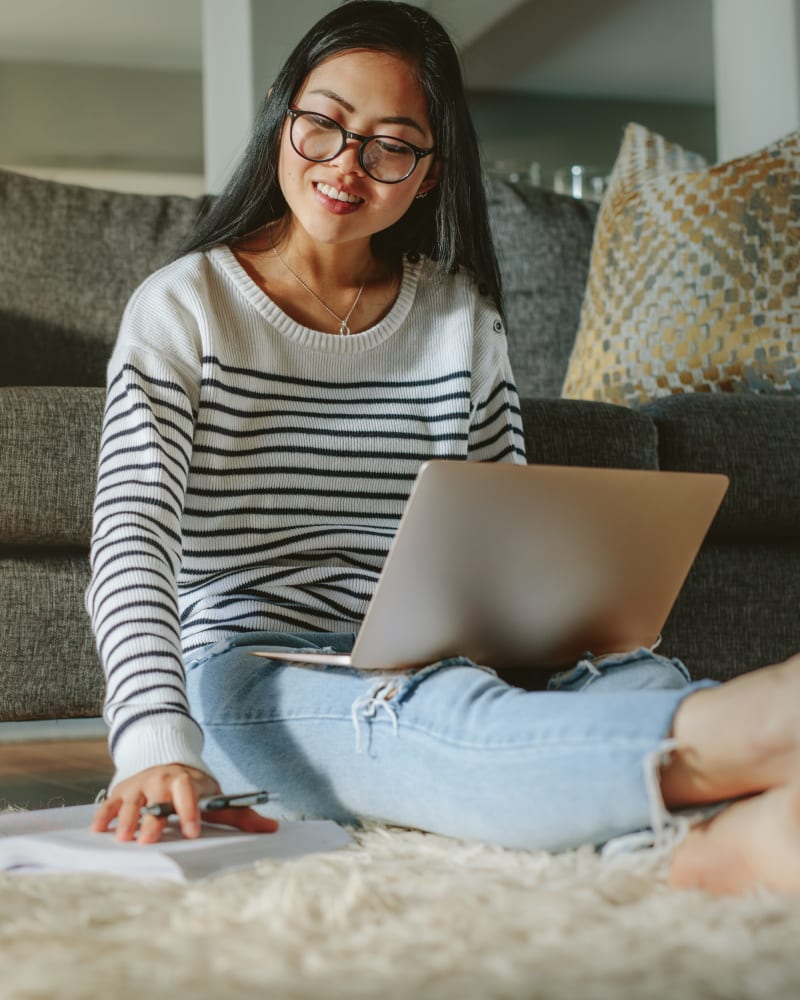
<point x="128" y="818"/>
<point x="107" y="812"/>
<point x="174" y="784"/>
<point x="246" y="820"/>
<point x="184" y="800"/>
<point x="180" y="787"/>
<point x="151" y="830"/>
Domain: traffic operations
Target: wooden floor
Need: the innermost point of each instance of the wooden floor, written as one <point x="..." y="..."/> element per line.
<point x="46" y="774"/>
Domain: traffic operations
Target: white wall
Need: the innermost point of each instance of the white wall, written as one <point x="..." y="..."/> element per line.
<point x="87" y="118"/>
<point x="94" y="117"/>
<point x="242" y="54"/>
<point x="756" y="72"/>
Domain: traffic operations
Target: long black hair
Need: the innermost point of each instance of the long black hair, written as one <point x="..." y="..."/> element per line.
<point x="451" y="225"/>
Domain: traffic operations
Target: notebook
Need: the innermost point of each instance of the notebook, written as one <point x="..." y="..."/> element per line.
<point x="60" y="840"/>
<point x="530" y="566"/>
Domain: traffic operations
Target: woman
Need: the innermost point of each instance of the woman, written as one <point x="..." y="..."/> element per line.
<point x="333" y="322"/>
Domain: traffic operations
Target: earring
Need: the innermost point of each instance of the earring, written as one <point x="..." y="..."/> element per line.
<point x="422" y="194"/>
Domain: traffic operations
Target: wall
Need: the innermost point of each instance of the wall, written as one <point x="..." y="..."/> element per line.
<point x="559" y="131"/>
<point x="94" y="118"/>
<point x="123" y="121"/>
<point x="757" y="72"/>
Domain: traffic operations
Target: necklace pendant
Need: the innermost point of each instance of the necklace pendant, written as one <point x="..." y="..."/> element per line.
<point x="344" y="329"/>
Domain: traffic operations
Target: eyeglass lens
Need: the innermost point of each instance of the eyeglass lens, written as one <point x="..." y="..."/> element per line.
<point x="319" y="138"/>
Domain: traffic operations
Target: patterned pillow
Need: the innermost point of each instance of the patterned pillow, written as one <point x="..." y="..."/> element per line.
<point x="693" y="280"/>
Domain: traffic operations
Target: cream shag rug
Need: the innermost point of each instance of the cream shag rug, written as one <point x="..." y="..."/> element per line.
<point x="398" y="914"/>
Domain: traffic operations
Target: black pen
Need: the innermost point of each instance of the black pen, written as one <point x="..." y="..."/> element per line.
<point x="211" y="803"/>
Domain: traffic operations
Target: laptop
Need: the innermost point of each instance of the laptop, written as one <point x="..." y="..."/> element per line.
<point x="530" y="566"/>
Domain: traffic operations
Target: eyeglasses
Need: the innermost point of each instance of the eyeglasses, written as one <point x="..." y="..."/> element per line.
<point x="383" y="157"/>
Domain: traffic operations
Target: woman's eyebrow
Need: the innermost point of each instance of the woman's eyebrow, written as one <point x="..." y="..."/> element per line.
<point x="389" y="120"/>
<point x="334" y="97"/>
<point x="402" y="120"/>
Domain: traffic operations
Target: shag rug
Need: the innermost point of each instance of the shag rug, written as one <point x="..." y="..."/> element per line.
<point x="398" y="914"/>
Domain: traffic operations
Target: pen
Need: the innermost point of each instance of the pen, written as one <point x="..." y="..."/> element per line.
<point x="213" y="802"/>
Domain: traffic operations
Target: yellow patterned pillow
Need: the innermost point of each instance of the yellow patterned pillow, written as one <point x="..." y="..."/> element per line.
<point x="693" y="279"/>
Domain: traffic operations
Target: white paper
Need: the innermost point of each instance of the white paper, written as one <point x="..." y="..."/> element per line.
<point x="60" y="840"/>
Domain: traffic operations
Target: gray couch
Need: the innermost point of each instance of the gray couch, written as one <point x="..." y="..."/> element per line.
<point x="69" y="258"/>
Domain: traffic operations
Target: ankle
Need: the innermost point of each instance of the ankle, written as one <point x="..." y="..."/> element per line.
<point x="684" y="778"/>
<point x="735" y="739"/>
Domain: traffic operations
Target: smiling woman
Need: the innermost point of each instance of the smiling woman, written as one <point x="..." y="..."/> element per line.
<point x="342" y="186"/>
<point x="332" y="325"/>
<point x="395" y="76"/>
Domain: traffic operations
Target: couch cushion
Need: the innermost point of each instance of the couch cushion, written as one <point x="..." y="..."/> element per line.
<point x="69" y="259"/>
<point x="566" y="432"/>
<point x="753" y="439"/>
<point x="737" y="609"/>
<point x="49" y="667"/>
<point x="694" y="282"/>
<point x="543" y="243"/>
<point x="49" y="439"/>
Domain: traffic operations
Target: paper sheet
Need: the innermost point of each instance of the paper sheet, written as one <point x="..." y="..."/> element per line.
<point x="60" y="840"/>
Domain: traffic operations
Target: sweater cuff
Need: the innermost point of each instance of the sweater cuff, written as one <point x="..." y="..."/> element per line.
<point x="153" y="742"/>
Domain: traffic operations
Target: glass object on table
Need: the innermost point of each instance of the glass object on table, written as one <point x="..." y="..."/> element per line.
<point x="579" y="181"/>
<point x="517" y="171"/>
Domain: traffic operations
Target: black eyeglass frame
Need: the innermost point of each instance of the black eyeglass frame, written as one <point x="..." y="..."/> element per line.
<point x="362" y="140"/>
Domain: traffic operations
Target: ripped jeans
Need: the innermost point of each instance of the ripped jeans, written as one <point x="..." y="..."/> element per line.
<point x="450" y="748"/>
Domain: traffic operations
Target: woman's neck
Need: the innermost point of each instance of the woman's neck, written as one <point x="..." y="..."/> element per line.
<point x="339" y="265"/>
<point x="343" y="282"/>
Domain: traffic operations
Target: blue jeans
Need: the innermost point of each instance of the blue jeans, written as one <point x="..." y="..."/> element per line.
<point x="449" y="748"/>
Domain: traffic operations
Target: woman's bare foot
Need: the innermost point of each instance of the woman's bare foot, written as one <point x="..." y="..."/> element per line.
<point x="753" y="843"/>
<point x="736" y="739"/>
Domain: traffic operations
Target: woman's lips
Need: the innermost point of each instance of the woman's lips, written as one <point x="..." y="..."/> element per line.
<point x="336" y="205"/>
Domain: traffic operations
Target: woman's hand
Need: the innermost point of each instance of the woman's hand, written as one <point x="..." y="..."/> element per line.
<point x="180" y="785"/>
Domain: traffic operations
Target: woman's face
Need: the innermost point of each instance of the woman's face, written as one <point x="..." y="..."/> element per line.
<point x="367" y="92"/>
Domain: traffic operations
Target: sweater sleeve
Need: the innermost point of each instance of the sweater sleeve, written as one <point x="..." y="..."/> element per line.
<point x="132" y="599"/>
<point x="495" y="433"/>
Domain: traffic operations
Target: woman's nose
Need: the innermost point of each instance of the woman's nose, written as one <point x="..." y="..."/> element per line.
<point x="348" y="156"/>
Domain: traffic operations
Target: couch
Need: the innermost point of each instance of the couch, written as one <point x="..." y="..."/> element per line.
<point x="69" y="258"/>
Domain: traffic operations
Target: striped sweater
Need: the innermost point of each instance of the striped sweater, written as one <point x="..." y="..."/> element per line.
<point x="253" y="472"/>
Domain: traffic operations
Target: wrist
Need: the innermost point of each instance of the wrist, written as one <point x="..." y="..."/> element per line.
<point x="158" y="741"/>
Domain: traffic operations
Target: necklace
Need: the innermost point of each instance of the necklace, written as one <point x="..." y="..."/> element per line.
<point x="344" y="329"/>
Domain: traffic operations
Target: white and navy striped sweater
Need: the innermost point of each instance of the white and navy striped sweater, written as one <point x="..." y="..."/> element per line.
<point x="252" y="471"/>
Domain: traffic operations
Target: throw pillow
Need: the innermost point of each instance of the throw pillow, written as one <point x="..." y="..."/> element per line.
<point x="693" y="278"/>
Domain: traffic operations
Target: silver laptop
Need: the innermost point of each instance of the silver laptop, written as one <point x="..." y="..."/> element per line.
<point x="531" y="566"/>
